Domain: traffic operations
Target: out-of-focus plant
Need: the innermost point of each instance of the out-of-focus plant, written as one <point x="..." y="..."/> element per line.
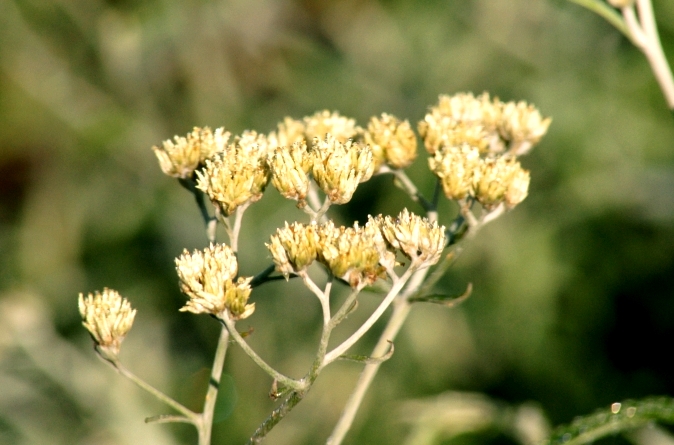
<point x="636" y="21"/>
<point x="319" y="161"/>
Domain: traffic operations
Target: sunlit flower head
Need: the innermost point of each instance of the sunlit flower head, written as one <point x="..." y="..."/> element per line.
<point x="289" y="166"/>
<point x="182" y="155"/>
<point x="416" y="237"/>
<point x="339" y="167"/>
<point x="288" y="132"/>
<point x="108" y="317"/>
<point x="455" y="166"/>
<point x="392" y="141"/>
<point x="293" y="247"/>
<point x="500" y="180"/>
<point x="238" y="174"/>
<point x="350" y="253"/>
<point x="207" y="277"/>
<point x="522" y="126"/>
<point x="323" y="122"/>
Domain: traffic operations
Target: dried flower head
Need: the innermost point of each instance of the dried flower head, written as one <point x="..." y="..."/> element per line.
<point x="288" y="132"/>
<point x="289" y="166"/>
<point x="416" y="237"/>
<point x="351" y="253"/>
<point x="238" y="174"/>
<point x="455" y="166"/>
<point x="323" y="122"/>
<point x="206" y="276"/>
<point x="180" y="157"/>
<point x="391" y="141"/>
<point x="500" y="180"/>
<point x="108" y="317"/>
<point x="293" y="247"/>
<point x="339" y="167"/>
<point x="522" y="126"/>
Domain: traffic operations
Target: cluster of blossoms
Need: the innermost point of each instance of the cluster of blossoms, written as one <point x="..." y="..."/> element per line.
<point x="358" y="255"/>
<point x="474" y="143"/>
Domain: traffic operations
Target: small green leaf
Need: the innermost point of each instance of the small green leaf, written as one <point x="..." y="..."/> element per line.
<point x="619" y="417"/>
<point x="367" y="359"/>
<point x="444" y="299"/>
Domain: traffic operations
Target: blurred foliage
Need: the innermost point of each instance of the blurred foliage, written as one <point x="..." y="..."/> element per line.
<point x="573" y="298"/>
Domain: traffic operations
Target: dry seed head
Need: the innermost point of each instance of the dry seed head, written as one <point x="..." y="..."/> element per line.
<point x="455" y="166"/>
<point x="206" y="276"/>
<point x="500" y="180"/>
<point x="293" y="247"/>
<point x="350" y="253"/>
<point x="416" y="237"/>
<point x="108" y="317"/>
<point x="237" y="174"/>
<point x="391" y="141"/>
<point x="323" y="122"/>
<point x="339" y="167"/>
<point x="289" y="168"/>
<point x="180" y="157"/>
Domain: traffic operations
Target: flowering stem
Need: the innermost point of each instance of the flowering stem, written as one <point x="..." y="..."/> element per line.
<point x="189" y="415"/>
<point x="401" y="309"/>
<point x="648" y="41"/>
<point x="206" y="416"/>
<point x="276" y="416"/>
<point x="395" y="289"/>
<point x="284" y="380"/>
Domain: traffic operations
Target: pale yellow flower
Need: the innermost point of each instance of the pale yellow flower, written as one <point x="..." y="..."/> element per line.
<point x="238" y="174"/>
<point x="522" y="126"/>
<point x="180" y="157"/>
<point x="207" y="277"/>
<point x="391" y="141"/>
<point x="351" y="253"/>
<point x="288" y="132"/>
<point x="500" y="180"/>
<point x="323" y="122"/>
<point x="289" y="171"/>
<point x="455" y="166"/>
<point x="108" y="317"/>
<point x="416" y="237"/>
<point x="339" y="167"/>
<point x="293" y="247"/>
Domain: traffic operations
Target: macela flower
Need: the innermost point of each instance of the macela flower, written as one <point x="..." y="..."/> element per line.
<point x="108" y="317"/>
<point x="207" y="277"/>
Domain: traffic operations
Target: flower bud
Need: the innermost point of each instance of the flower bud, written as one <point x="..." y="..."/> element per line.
<point x="391" y="141"/>
<point x="455" y="167"/>
<point x="289" y="168"/>
<point x="416" y="237"/>
<point x="500" y="180"/>
<point x="293" y="248"/>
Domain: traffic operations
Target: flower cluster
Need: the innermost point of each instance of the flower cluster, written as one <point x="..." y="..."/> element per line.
<point x="474" y="143"/>
<point x="108" y="317"/>
<point x="358" y="255"/>
<point x="181" y="157"/>
<point x="207" y="277"/>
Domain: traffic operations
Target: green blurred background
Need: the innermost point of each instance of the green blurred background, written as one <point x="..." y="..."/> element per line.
<point x="573" y="306"/>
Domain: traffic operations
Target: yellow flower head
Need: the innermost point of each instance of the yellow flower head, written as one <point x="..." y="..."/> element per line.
<point x="293" y="248"/>
<point x="108" y="317"/>
<point x="391" y="141"/>
<point x="522" y="126"/>
<point x="180" y="157"/>
<point x="289" y="171"/>
<point x="455" y="166"/>
<point x="288" y="132"/>
<point x="416" y="237"/>
<point x="237" y="174"/>
<point x="500" y="180"/>
<point x="207" y="277"/>
<point x="351" y="253"/>
<point x="339" y="167"/>
<point x="323" y="122"/>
